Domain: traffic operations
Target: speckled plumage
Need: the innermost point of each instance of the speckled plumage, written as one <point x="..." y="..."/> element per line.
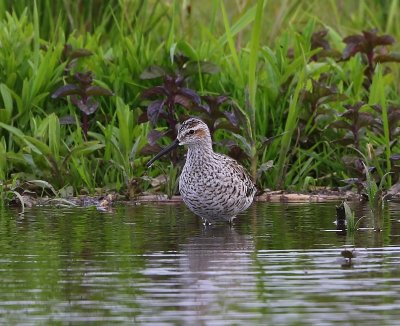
<point x="212" y="185"/>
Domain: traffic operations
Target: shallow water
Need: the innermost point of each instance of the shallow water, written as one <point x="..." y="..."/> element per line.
<point x="279" y="264"/>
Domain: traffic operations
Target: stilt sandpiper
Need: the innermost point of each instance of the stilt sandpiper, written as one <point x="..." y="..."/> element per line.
<point x="212" y="185"/>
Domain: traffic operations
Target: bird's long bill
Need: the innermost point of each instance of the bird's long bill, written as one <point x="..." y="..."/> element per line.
<point x="166" y="150"/>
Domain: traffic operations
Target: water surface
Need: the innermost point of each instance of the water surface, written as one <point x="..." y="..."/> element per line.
<point x="279" y="264"/>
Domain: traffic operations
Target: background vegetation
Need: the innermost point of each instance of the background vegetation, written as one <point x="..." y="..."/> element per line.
<point x="300" y="92"/>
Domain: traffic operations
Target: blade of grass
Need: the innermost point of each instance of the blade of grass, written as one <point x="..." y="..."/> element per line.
<point x="54" y="135"/>
<point x="290" y="126"/>
<point x="391" y="17"/>
<point x="231" y="42"/>
<point x="246" y="19"/>
<point x="253" y="60"/>
<point x="171" y="34"/>
<point x="3" y="160"/>
<point x="36" y="35"/>
<point x="378" y="96"/>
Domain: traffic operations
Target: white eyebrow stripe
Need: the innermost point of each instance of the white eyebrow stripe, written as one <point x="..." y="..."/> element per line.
<point x="191" y="124"/>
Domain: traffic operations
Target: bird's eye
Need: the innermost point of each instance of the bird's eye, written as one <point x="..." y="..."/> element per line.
<point x="191" y="132"/>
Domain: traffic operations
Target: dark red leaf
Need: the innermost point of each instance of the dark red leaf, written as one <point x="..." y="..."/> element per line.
<point x="377" y="108"/>
<point x="350" y="50"/>
<point x="231" y="116"/>
<point x="341" y="124"/>
<point x="346" y="141"/>
<point x="75" y="100"/>
<point x="318" y="40"/>
<point x="84" y="78"/>
<point x="237" y="153"/>
<point x="390" y="57"/>
<point x="143" y="117"/>
<point x="351" y="114"/>
<point x="384" y="40"/>
<point x="183" y="100"/>
<point x="365" y="119"/>
<point x="66" y="90"/>
<point x="66" y="50"/>
<point x="150" y="150"/>
<point x="215" y="114"/>
<point x="69" y="53"/>
<point x="394" y="115"/>
<point x="67" y="120"/>
<point x="203" y="107"/>
<point x="70" y="66"/>
<point x="154" y="91"/>
<point x="223" y="124"/>
<point x="79" y="53"/>
<point x="190" y="94"/>
<point x="353" y="39"/>
<point x="353" y="107"/>
<point x="89" y="107"/>
<point x="92" y="107"/>
<point x="153" y="111"/>
<point x="240" y="116"/>
<point x="228" y="143"/>
<point x="365" y="43"/>
<point x="153" y="136"/>
<point x="332" y="98"/>
<point x="98" y="91"/>
<point x="215" y="100"/>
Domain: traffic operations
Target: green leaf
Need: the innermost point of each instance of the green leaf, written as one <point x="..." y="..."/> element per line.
<point x="153" y="72"/>
<point x="245" y="144"/>
<point x="7" y="98"/>
<point x="17" y="99"/>
<point x="230" y="39"/>
<point x="12" y="130"/>
<point x="246" y="19"/>
<point x="54" y="135"/>
<point x="123" y="122"/>
<point x="5" y="116"/>
<point x="207" y="67"/>
<point x="187" y="50"/>
<point x="37" y="146"/>
<point x="264" y="167"/>
<point x="3" y="160"/>
<point x="18" y="158"/>
<point x="83" y="149"/>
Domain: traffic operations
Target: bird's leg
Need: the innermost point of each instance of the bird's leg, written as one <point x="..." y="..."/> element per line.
<point x="205" y="222"/>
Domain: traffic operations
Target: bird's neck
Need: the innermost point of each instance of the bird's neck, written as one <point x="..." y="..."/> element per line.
<point x="199" y="151"/>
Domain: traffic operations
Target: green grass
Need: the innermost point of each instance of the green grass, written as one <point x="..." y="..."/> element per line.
<point x="263" y="50"/>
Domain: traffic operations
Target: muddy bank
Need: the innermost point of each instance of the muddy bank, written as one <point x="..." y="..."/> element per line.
<point x="112" y="199"/>
<point x="273" y="196"/>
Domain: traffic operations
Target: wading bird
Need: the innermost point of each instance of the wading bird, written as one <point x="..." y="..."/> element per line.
<point x="212" y="185"/>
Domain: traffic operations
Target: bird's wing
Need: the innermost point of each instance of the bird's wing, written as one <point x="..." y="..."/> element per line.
<point x="242" y="174"/>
